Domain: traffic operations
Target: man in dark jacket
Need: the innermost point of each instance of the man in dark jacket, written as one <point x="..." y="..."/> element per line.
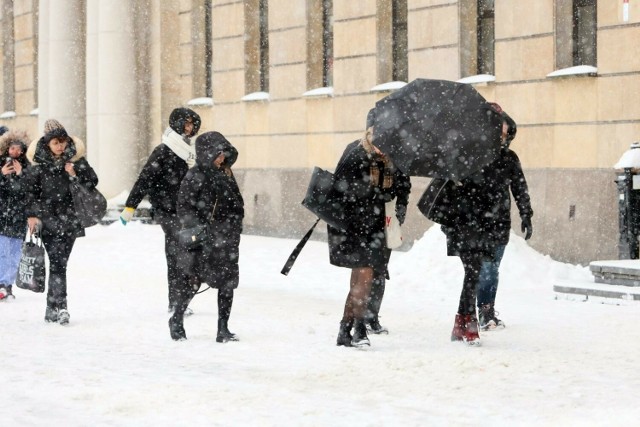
<point x="503" y="175"/>
<point x="13" y="220"/>
<point x="160" y="179"/>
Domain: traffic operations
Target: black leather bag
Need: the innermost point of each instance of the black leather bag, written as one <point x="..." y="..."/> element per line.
<point x="438" y="202"/>
<point x="90" y="205"/>
<point x="31" y="269"/>
<point x="194" y="237"/>
<point x="324" y="200"/>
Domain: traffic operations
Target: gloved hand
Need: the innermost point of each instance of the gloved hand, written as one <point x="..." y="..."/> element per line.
<point x="401" y="213"/>
<point x="526" y="227"/>
<point x="126" y="215"/>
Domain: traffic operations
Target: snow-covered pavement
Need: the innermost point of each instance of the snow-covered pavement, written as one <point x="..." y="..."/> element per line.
<point x="558" y="362"/>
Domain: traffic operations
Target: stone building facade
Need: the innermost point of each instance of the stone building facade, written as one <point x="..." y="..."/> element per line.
<point x="289" y="82"/>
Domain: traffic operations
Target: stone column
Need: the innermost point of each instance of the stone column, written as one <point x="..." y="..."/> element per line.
<point x="116" y="92"/>
<point x="64" y="70"/>
<point x="43" y="64"/>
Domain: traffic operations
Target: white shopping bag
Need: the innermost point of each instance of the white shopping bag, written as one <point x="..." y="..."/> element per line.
<point x="392" y="230"/>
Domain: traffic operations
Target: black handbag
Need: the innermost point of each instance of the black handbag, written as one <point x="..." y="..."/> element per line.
<point x="438" y="202"/>
<point x="90" y="205"/>
<point x="324" y="200"/>
<point x="193" y="237"/>
<point x="31" y="269"/>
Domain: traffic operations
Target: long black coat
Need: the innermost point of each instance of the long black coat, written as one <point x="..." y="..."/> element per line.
<point x="13" y="221"/>
<point x="209" y="196"/>
<point x="48" y="190"/>
<point x="483" y="206"/>
<point x="364" y="245"/>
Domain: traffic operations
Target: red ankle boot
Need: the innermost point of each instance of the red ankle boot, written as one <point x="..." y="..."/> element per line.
<point x="471" y="335"/>
<point x="458" y="328"/>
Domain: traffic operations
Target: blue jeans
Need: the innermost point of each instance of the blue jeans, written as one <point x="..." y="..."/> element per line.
<point x="10" y="251"/>
<point x="488" y="280"/>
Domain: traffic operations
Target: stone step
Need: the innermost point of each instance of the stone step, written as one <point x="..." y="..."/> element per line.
<point x="617" y="294"/>
<point x="616" y="272"/>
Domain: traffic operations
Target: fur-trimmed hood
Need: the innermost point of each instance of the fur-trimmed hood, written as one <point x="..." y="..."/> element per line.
<point x="12" y="137"/>
<point x="38" y="150"/>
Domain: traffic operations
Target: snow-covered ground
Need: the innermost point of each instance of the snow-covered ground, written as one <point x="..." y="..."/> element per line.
<point x="558" y="362"/>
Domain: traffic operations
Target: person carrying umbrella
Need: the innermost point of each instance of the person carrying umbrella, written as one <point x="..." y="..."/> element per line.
<point x="366" y="179"/>
<point x="504" y="174"/>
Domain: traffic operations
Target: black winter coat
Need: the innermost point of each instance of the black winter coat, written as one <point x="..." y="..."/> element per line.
<point x="208" y="195"/>
<point x="483" y="206"/>
<point x="364" y="245"/>
<point x="160" y="178"/>
<point x="48" y="192"/>
<point x="13" y="221"/>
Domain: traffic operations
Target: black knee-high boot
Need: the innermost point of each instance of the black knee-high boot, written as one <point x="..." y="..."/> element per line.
<point x="373" y="305"/>
<point x="225" y="301"/>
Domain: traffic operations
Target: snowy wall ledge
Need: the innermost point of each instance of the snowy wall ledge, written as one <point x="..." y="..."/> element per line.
<point x="256" y="96"/>
<point x="34" y="112"/>
<point x="478" y="79"/>
<point x="8" y="115"/>
<point x="388" y="87"/>
<point x="321" y="92"/>
<point x="580" y="70"/>
<point x="200" y="102"/>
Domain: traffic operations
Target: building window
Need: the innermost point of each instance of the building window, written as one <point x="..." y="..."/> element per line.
<point x="256" y="46"/>
<point x="584" y="32"/>
<point x="319" y="43"/>
<point x="576" y="33"/>
<point x="8" y="56"/>
<point x="392" y="41"/>
<point x="201" y="38"/>
<point x="486" y="37"/>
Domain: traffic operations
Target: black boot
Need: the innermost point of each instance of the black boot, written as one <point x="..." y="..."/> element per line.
<point x="176" y="329"/>
<point x="360" y="334"/>
<point x="374" y="326"/>
<point x="344" y="334"/>
<point x="224" y="334"/>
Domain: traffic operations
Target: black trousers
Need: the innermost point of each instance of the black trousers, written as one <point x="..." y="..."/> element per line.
<point x="58" y="250"/>
<point x="186" y="293"/>
<point x="176" y="279"/>
<point x="472" y="263"/>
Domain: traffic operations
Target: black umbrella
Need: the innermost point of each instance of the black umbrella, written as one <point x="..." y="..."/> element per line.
<point x="437" y="128"/>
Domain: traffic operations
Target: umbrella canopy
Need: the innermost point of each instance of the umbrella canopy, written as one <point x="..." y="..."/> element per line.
<point x="437" y="128"/>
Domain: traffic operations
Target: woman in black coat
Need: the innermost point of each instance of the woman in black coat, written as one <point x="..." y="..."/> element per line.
<point x="367" y="180"/>
<point x="58" y="161"/>
<point x="209" y="195"/>
<point x="160" y="180"/>
<point x="13" y="161"/>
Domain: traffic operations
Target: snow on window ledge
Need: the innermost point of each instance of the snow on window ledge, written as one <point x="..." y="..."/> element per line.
<point x="580" y="70"/>
<point x="201" y="102"/>
<point x="256" y="96"/>
<point x="388" y="87"/>
<point x="8" y="115"/>
<point x="478" y="79"/>
<point x="319" y="92"/>
<point x="34" y="112"/>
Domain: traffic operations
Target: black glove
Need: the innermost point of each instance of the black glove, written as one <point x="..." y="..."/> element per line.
<point x="401" y="213"/>
<point x="526" y="227"/>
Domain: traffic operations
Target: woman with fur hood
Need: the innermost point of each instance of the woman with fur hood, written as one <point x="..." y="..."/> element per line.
<point x="57" y="161"/>
<point x="209" y="195"/>
<point x="13" y="148"/>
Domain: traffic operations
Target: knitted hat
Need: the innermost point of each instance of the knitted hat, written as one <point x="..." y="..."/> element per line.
<point x="51" y="125"/>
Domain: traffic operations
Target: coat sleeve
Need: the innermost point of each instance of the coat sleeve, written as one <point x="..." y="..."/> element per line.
<point x="188" y="197"/>
<point x="148" y="176"/>
<point x="402" y="185"/>
<point x="32" y="182"/>
<point x="519" y="188"/>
